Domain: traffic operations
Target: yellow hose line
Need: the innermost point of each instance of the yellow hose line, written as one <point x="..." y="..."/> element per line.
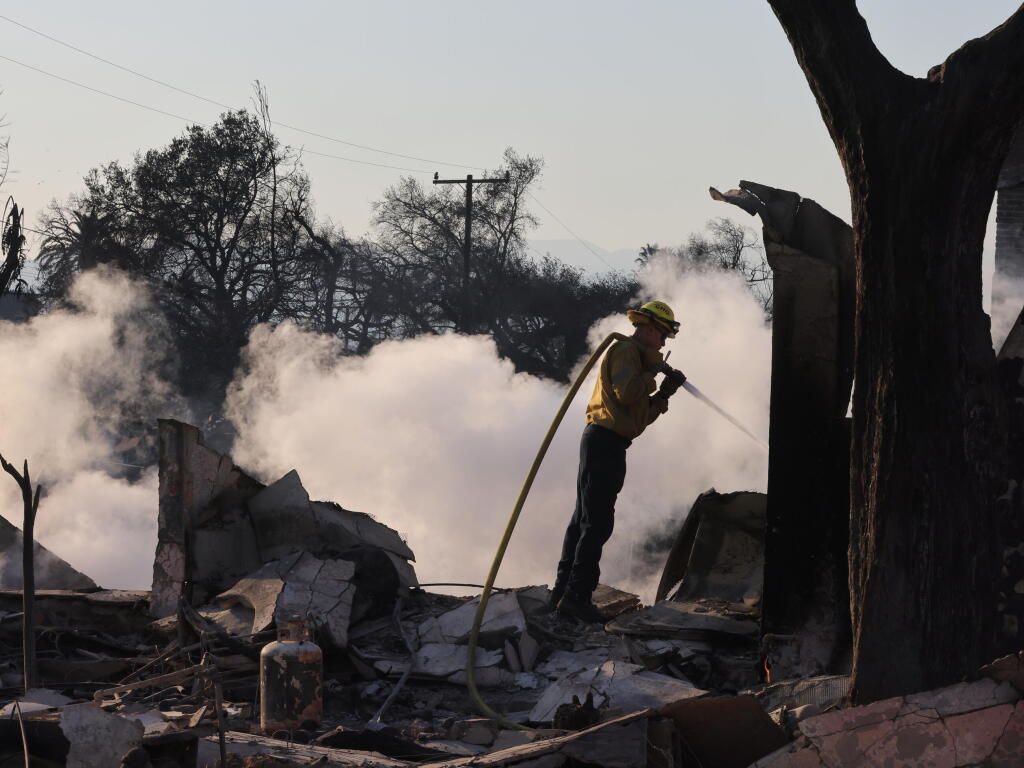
<point x="506" y="537"/>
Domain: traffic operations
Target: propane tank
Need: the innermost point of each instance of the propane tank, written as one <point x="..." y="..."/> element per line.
<point x="291" y="674"/>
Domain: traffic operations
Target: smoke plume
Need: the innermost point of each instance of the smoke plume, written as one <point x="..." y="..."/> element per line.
<point x="434" y="435"/>
<point x="78" y="381"/>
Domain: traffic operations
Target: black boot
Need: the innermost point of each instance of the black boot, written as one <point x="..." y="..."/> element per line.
<point x="584" y="610"/>
<point x="556" y="596"/>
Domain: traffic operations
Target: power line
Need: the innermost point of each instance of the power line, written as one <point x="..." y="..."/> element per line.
<point x="363" y="162"/>
<point x="97" y="90"/>
<point x="581" y="241"/>
<point x="208" y="100"/>
<point x="273" y="122"/>
<point x="189" y="120"/>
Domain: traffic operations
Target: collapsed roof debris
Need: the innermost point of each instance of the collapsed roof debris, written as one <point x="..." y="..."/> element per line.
<point x="673" y="684"/>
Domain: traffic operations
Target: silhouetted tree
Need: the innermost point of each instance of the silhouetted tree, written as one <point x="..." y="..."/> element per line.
<point x="537" y="311"/>
<point x="204" y="221"/>
<point x="921" y="157"/>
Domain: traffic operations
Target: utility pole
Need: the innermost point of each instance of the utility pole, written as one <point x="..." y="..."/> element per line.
<point x="467" y="241"/>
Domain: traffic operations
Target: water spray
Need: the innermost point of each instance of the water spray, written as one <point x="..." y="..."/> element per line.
<point x="707" y="401"/>
<point x="678" y="376"/>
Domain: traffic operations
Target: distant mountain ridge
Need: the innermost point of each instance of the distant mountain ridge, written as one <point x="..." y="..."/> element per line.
<point x="573" y="252"/>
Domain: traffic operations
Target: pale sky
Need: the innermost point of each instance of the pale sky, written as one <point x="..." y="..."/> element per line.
<point x="635" y="107"/>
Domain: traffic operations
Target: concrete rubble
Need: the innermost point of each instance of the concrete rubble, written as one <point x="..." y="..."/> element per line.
<point x="298" y="583"/>
<point x="967" y="724"/>
<point x="129" y="676"/>
<point x="96" y="738"/>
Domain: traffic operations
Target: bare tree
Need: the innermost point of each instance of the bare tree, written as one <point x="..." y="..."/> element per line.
<point x="727" y="246"/>
<point x="30" y="504"/>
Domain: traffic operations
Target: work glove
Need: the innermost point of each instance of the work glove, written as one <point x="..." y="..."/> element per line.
<point x="659" y="404"/>
<point x="671" y="383"/>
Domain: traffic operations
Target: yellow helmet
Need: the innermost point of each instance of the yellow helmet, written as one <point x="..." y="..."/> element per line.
<point x="657" y="312"/>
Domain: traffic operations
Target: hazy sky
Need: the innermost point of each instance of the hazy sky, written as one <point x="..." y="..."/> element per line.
<point x="635" y="107"/>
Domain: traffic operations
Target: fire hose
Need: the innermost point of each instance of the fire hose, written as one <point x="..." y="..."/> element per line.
<point x="518" y="508"/>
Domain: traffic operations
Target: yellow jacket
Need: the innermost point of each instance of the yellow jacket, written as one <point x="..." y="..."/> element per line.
<point x="621" y="401"/>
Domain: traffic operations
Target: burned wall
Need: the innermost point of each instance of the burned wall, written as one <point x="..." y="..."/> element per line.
<point x="218" y="526"/>
<point x="202" y="534"/>
<point x="805" y="585"/>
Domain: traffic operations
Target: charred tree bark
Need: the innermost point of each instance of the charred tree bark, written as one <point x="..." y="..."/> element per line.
<point x="921" y="158"/>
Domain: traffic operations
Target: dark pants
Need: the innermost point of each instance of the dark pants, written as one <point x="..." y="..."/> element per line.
<point x="602" y="472"/>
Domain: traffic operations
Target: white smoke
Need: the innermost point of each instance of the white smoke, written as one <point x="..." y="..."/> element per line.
<point x="434" y="435"/>
<point x="1006" y="308"/>
<point x="73" y="379"/>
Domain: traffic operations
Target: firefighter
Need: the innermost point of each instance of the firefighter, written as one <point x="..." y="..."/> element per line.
<point x="621" y="407"/>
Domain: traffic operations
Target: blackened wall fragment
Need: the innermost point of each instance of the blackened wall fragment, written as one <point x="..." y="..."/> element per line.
<point x="204" y="536"/>
<point x="810" y="252"/>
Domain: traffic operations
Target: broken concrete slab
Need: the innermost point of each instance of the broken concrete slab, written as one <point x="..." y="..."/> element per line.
<point x="560" y="663"/>
<point x="613" y="685"/>
<point x="481" y="731"/>
<point x="528" y="650"/>
<point x="442" y="661"/>
<point x="98" y="739"/>
<point x="35" y="700"/>
<point x="300" y="583"/>
<point x="286" y="521"/>
<point x="962" y="697"/>
<point x="611" y="602"/>
<point x="700" y="620"/>
<point x="665" y="648"/>
<point x="503" y="618"/>
<point x="445" y="659"/>
<point x="51" y="571"/>
<point x="960" y="725"/>
<point x="534" y="600"/>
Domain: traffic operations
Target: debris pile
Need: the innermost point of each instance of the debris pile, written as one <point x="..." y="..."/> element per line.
<point x="172" y="675"/>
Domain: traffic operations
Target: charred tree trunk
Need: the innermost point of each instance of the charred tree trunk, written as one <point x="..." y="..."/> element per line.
<point x="30" y="504"/>
<point x="921" y="158"/>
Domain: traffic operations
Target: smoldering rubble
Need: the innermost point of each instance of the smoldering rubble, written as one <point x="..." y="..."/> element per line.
<point x="742" y="660"/>
<point x="137" y="678"/>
